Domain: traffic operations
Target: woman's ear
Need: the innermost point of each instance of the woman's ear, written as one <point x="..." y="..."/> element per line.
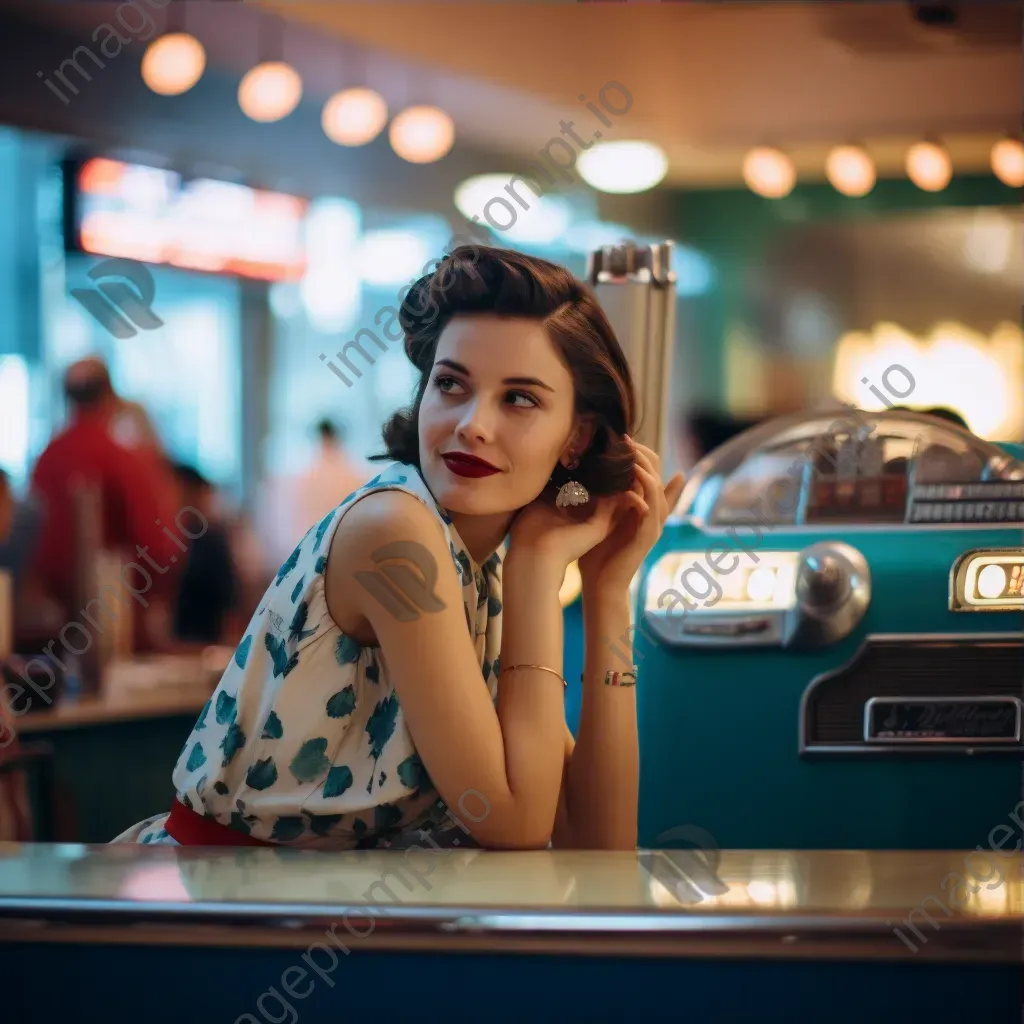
<point x="579" y="439"/>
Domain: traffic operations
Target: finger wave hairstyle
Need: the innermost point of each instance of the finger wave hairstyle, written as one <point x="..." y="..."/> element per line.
<point x="485" y="280"/>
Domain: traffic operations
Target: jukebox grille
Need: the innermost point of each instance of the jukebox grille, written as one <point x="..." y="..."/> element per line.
<point x="834" y="704"/>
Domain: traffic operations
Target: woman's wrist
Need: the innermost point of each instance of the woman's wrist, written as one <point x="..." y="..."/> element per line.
<point x="533" y="565"/>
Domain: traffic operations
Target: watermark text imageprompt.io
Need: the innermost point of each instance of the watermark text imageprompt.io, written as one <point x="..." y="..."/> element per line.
<point x="500" y="213"/>
<point x="133" y="22"/>
<point x="320" y="957"/>
<point x="782" y="498"/>
<point x="136" y="581"/>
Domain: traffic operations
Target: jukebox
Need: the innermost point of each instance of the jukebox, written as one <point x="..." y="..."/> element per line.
<point x="829" y="639"/>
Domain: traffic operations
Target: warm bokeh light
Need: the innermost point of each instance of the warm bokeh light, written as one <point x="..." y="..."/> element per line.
<point x="769" y="172"/>
<point x="514" y="209"/>
<point x="624" y="167"/>
<point x="422" y="135"/>
<point x="354" y="117"/>
<point x="929" y="166"/>
<point x="173" y="63"/>
<point x="270" y="91"/>
<point x="980" y="378"/>
<point x="850" y="170"/>
<point x="1008" y="162"/>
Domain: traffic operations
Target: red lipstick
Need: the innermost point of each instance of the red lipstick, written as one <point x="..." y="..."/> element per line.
<point x="462" y="464"/>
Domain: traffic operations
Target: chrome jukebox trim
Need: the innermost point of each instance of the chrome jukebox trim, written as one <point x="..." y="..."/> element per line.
<point x="898" y="750"/>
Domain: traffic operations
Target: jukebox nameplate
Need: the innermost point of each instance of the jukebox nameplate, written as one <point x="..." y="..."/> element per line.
<point x="942" y="720"/>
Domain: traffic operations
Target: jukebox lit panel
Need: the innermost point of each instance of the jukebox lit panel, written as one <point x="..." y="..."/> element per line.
<point x="988" y="581"/>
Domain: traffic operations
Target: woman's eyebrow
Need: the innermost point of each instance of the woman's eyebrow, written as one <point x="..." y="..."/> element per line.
<point x="459" y="368"/>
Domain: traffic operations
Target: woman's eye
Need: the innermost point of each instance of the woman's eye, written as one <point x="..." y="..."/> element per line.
<point x="444" y="383"/>
<point x="530" y="401"/>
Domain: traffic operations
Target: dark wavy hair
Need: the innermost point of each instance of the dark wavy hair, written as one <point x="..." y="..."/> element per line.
<point x="485" y="280"/>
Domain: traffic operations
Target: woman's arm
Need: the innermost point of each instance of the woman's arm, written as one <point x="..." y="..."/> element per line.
<point x="497" y="769"/>
<point x="602" y="775"/>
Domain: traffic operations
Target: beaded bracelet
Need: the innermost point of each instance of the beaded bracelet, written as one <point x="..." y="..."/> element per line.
<point x="613" y="678"/>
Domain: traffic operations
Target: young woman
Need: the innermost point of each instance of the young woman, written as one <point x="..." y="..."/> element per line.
<point x="402" y="677"/>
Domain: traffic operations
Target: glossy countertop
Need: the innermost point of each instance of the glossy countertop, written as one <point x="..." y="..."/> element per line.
<point x="896" y="904"/>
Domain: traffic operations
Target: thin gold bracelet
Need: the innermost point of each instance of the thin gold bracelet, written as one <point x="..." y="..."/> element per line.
<point x="543" y="668"/>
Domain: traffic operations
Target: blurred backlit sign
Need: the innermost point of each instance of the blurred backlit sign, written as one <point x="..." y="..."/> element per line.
<point x="990" y="580"/>
<point x="157" y="216"/>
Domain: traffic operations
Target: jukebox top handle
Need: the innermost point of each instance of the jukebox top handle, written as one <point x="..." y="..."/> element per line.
<point x="636" y="287"/>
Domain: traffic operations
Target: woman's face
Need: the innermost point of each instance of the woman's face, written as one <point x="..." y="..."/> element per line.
<point x="498" y="391"/>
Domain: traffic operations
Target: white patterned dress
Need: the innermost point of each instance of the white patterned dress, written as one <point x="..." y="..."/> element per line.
<point x="304" y="741"/>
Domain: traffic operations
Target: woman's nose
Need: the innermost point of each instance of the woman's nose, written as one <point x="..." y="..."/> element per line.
<point x="476" y="423"/>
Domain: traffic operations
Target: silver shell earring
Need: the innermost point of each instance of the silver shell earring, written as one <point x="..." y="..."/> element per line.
<point x="572" y="492"/>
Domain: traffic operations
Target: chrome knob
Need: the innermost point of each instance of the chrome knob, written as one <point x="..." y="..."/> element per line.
<point x="833" y="590"/>
<point x="823" y="583"/>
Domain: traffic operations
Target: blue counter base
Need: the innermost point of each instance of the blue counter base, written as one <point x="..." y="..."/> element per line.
<point x="46" y="983"/>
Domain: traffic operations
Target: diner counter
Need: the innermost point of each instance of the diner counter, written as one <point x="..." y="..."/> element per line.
<point x="140" y="688"/>
<point x="808" y="904"/>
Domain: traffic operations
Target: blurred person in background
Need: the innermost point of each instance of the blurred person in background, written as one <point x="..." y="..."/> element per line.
<point x="19" y="524"/>
<point x="206" y="607"/>
<point x="135" y="492"/>
<point x="292" y="503"/>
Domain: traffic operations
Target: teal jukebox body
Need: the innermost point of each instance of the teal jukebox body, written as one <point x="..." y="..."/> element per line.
<point x="829" y="640"/>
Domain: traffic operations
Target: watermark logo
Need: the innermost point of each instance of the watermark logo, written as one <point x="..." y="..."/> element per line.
<point x="685" y="862"/>
<point x="120" y="309"/>
<point x="404" y="584"/>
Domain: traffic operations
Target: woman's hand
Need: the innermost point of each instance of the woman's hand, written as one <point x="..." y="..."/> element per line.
<point x="561" y="535"/>
<point x="637" y="525"/>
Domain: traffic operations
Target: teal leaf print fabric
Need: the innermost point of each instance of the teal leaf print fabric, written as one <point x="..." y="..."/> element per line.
<point x="342" y="703"/>
<point x="262" y="775"/>
<point x="288" y="827"/>
<point x="381" y="725"/>
<point x="290" y="563"/>
<point x="413" y="774"/>
<point x="226" y="708"/>
<point x="234" y="740"/>
<point x="346" y="650"/>
<point x="296" y="632"/>
<point x="322" y="529"/>
<point x="272" y="728"/>
<point x="283" y="664"/>
<point x="339" y="779"/>
<point x="242" y="652"/>
<point x="201" y="722"/>
<point x="322" y="824"/>
<point x="309" y="762"/>
<point x="304" y="741"/>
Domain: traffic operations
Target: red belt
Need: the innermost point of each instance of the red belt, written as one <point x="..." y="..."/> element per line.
<point x="188" y="828"/>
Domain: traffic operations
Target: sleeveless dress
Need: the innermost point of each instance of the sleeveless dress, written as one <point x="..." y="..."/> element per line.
<point x="303" y="741"/>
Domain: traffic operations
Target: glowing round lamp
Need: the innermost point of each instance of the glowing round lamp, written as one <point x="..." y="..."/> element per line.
<point x="769" y="172"/>
<point x="354" y="117"/>
<point x="623" y="167"/>
<point x="991" y="582"/>
<point x="929" y="166"/>
<point x="1008" y="162"/>
<point x="173" y="63"/>
<point x="422" y="135"/>
<point x="270" y="91"/>
<point x="850" y="170"/>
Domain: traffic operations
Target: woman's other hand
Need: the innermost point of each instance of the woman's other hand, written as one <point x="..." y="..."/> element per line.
<point x="561" y="535"/>
<point x="637" y="522"/>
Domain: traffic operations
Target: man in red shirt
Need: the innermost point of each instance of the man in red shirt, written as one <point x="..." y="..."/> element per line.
<point x="136" y="505"/>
